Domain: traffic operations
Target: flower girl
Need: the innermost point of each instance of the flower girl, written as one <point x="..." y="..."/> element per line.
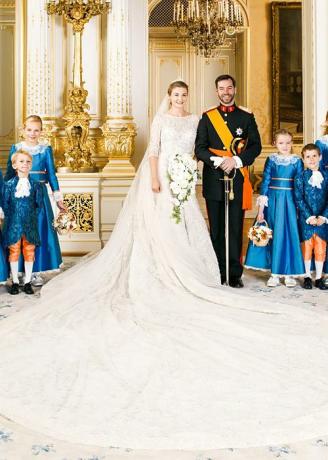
<point x="283" y="255"/>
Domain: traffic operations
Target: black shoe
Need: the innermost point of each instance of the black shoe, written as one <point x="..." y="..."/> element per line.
<point x="320" y="284"/>
<point x="223" y="280"/>
<point x="236" y="283"/>
<point x="14" y="289"/>
<point x="28" y="288"/>
<point x="307" y="283"/>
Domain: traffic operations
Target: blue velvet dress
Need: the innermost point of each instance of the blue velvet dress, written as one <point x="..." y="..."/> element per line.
<point x="283" y="255"/>
<point x="48" y="254"/>
<point x="3" y="258"/>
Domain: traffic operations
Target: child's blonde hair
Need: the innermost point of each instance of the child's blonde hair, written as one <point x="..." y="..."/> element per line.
<point x="20" y="152"/>
<point x="282" y="132"/>
<point x="33" y="118"/>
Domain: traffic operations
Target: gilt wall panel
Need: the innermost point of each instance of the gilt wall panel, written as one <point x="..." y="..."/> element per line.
<point x="7" y="79"/>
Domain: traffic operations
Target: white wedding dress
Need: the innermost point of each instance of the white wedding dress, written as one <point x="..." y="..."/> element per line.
<point x="141" y="347"/>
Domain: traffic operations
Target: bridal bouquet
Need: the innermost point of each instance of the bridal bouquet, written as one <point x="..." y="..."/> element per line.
<point x="182" y="173"/>
<point x="65" y="222"/>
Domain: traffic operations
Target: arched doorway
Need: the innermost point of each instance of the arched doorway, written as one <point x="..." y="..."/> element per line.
<point x="170" y="58"/>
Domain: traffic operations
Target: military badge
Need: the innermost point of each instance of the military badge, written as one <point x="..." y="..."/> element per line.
<point x="239" y="131"/>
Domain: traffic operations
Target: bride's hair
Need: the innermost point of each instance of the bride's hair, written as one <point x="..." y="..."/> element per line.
<point x="177" y="84"/>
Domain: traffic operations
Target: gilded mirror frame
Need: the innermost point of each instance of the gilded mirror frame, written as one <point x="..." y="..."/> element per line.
<point x="287" y="92"/>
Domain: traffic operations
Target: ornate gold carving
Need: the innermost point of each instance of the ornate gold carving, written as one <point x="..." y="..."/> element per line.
<point x="77" y="12"/>
<point x="79" y="149"/>
<point x="119" y="139"/>
<point x="81" y="205"/>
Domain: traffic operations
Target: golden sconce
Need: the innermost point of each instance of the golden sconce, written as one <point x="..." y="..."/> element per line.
<point x="78" y="146"/>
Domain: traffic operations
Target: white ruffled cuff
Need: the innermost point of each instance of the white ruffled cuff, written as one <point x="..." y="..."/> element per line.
<point x="2" y="214"/>
<point x="324" y="218"/>
<point x="309" y="218"/>
<point x="262" y="200"/>
<point x="58" y="196"/>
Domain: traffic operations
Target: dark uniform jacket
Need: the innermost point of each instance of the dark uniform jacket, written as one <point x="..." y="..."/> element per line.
<point x="241" y="124"/>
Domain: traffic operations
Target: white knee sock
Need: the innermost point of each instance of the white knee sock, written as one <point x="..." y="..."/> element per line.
<point x="318" y="269"/>
<point x="14" y="271"/>
<point x="28" y="271"/>
<point x="307" y="264"/>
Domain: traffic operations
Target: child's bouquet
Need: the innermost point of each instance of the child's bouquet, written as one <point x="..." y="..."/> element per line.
<point x="260" y="234"/>
<point x="65" y="222"/>
<point x="183" y="175"/>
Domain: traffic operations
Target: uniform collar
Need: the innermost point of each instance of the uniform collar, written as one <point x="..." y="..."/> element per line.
<point x="227" y="108"/>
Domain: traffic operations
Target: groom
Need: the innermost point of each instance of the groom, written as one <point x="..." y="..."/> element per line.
<point x="223" y="131"/>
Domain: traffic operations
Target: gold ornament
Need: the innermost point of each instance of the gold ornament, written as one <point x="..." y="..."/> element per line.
<point x="78" y="148"/>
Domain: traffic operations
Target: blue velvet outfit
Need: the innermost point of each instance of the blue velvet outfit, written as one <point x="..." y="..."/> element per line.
<point x="311" y="201"/>
<point x="21" y="214"/>
<point x="283" y="255"/>
<point x="322" y="143"/>
<point x="3" y="259"/>
<point x="48" y="254"/>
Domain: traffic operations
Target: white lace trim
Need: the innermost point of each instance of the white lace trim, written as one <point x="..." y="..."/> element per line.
<point x="23" y="187"/>
<point x="284" y="160"/>
<point x="31" y="149"/>
<point x="316" y="179"/>
<point x="262" y="200"/>
<point x="58" y="196"/>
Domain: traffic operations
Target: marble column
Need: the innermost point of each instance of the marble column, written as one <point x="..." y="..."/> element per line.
<point x="315" y="67"/>
<point x="119" y="129"/>
<point x="39" y="91"/>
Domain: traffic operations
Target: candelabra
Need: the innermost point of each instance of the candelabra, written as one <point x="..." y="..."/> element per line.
<point x="78" y="147"/>
<point x="206" y="23"/>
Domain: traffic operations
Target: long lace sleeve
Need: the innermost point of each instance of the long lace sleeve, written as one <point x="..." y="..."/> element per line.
<point x="155" y="137"/>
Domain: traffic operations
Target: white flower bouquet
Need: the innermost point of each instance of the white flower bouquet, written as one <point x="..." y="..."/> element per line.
<point x="183" y="175"/>
<point x="65" y="222"/>
<point x="259" y="234"/>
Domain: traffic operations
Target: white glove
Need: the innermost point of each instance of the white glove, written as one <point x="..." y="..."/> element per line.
<point x="217" y="161"/>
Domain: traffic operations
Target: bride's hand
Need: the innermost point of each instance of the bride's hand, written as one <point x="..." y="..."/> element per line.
<point x="155" y="186"/>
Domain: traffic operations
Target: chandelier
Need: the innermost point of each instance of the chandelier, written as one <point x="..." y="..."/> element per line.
<point x="206" y="23"/>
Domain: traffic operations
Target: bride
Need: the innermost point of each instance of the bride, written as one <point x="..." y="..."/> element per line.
<point x="140" y="347"/>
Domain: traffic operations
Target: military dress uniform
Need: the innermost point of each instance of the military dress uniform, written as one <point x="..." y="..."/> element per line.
<point x="241" y="124"/>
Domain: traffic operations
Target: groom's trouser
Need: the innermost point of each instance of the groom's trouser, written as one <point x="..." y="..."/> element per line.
<point x="216" y="216"/>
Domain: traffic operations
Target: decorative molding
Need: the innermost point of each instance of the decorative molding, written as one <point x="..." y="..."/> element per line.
<point x="81" y="205"/>
<point x="7" y="5"/>
<point x="38" y="97"/>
